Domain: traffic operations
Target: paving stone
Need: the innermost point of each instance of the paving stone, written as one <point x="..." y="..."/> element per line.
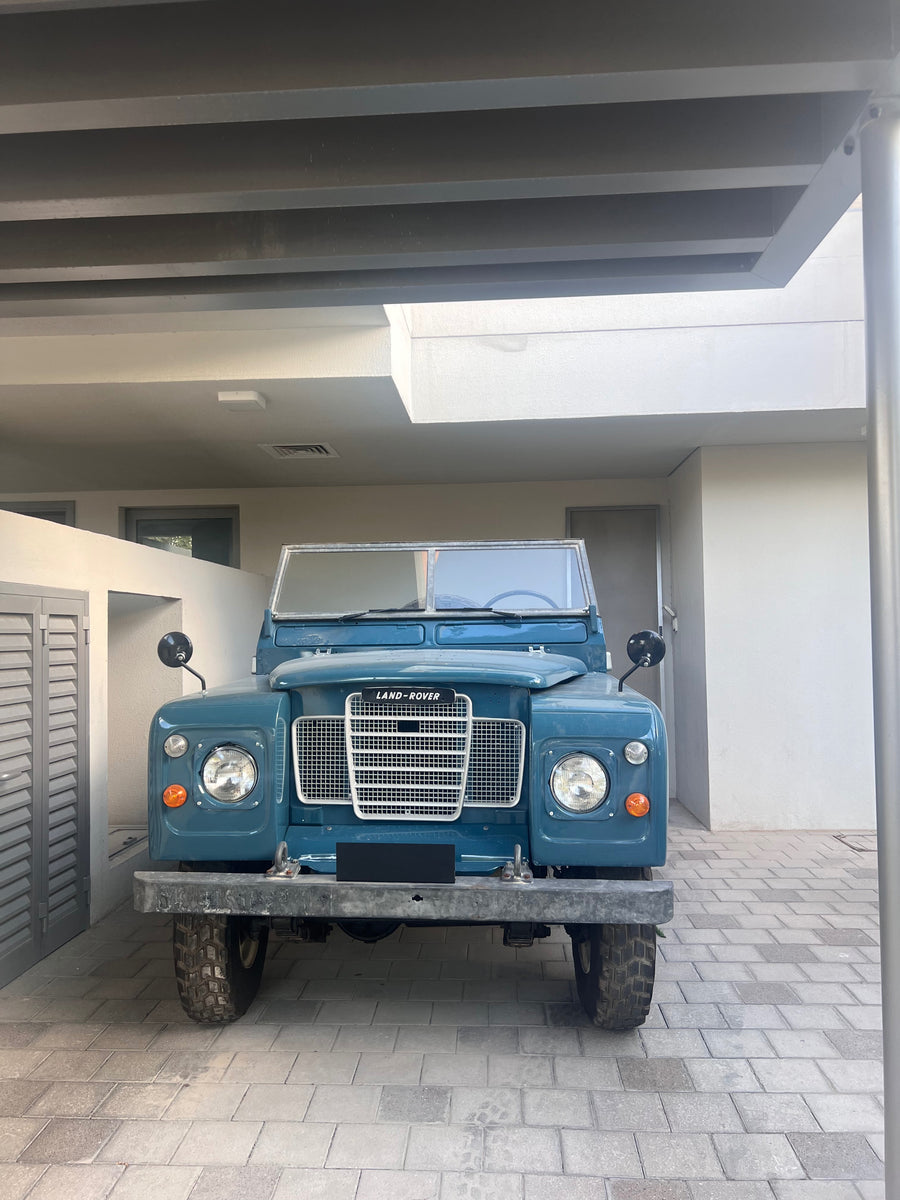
<point x="790" y="1075"/>
<point x="259" y="1066"/>
<point x="414" y="1105"/>
<point x="206" y="1101"/>
<point x="274" y="1102"/>
<point x="218" y="1143"/>
<point x="292" y="1144"/>
<point x="144" y="1142"/>
<point x="364" y="1038"/>
<point x="707" y="1112"/>
<point x="445" y="1148"/>
<point x="17" y="1096"/>
<point x="676" y="1042"/>
<point x="396" y="1068"/>
<point x="67" y="1141"/>
<point x="69" y="1064"/>
<point x="854" y="1075"/>
<point x="18" y="1178"/>
<point x="786" y="953"/>
<point x="679" y="1155"/>
<point x="428" y="1039"/>
<point x="470" y="1185"/>
<point x="529" y="1150"/>
<point x="398" y="1185"/>
<point x="655" y="1075"/>
<point x="847" y="1114"/>
<point x="598" y="1073"/>
<point x="765" y="993"/>
<point x="76" y="1182"/>
<point x="138" y="1100"/>
<point x="132" y="1065"/>
<point x="836" y="1156"/>
<point x="728" y="1190"/>
<point x="814" y="1189"/>
<point x="630" y="1189"/>
<point x="155" y="1183"/>
<point x="557" y="1106"/>
<point x="69" y="1099"/>
<point x="778" y="1112"/>
<point x="856" y="1043"/>
<point x="310" y="1183"/>
<point x="614" y="1111"/>
<point x="757" y="1156"/>
<point x="493" y="1039"/>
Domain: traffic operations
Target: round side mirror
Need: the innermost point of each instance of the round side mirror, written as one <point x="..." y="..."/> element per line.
<point x="646" y="649"/>
<point x="175" y="649"/>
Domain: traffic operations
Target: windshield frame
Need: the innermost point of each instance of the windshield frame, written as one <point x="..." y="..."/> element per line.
<point x="431" y="549"/>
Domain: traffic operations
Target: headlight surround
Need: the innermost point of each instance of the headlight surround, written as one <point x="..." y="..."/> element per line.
<point x="229" y="774"/>
<point x="636" y="753"/>
<point x="579" y="783"/>
<point x="176" y="745"/>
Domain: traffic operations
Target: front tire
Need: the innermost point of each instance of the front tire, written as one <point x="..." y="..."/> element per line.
<point x="218" y="964"/>
<point x="615" y="966"/>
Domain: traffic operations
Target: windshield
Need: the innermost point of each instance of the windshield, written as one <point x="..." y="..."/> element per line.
<point x="349" y="580"/>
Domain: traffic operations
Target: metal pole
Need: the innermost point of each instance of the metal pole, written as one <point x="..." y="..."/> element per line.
<point x="880" y="161"/>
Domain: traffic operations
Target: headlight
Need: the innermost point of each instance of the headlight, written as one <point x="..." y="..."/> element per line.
<point x="175" y="745"/>
<point x="229" y="774"/>
<point x="579" y="783"/>
<point x="636" y="753"/>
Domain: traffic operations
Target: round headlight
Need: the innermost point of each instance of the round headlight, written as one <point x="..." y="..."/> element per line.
<point x="636" y="753"/>
<point x="229" y="774"/>
<point x="579" y="783"/>
<point x="175" y="745"/>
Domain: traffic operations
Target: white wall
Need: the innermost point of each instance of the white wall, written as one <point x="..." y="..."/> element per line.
<point x="788" y="652"/>
<point x="688" y="726"/>
<point x="221" y="607"/>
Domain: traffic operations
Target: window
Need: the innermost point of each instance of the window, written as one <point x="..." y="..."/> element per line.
<point x="62" y="512"/>
<point x="210" y="534"/>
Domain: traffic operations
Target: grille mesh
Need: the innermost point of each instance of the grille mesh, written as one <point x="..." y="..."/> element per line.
<point x="409" y="770"/>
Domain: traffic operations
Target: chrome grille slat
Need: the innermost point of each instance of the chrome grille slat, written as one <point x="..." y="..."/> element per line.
<point x="384" y="760"/>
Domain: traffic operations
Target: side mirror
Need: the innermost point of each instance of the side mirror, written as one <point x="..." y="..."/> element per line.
<point x="175" y="650"/>
<point x="645" y="649"/>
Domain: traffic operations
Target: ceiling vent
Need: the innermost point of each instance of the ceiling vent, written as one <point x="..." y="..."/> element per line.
<point x="306" y="450"/>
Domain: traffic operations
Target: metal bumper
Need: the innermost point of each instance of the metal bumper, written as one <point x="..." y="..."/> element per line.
<point x="475" y="899"/>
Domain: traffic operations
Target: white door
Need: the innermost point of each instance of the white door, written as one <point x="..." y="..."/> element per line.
<point x="623" y="550"/>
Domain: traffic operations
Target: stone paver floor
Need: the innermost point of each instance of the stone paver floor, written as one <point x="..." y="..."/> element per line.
<point x="439" y="1064"/>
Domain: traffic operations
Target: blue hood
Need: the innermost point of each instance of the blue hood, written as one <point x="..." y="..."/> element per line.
<point x="506" y="667"/>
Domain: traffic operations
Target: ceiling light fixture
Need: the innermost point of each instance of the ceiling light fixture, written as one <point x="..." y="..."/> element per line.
<point x="242" y="401"/>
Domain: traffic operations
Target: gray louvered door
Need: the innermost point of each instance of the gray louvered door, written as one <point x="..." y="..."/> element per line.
<point x="43" y="794"/>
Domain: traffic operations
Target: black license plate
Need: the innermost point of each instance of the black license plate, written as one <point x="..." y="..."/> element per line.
<point x="395" y="862"/>
<point x="404" y="694"/>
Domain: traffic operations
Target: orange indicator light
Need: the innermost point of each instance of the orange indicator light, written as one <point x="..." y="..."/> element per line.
<point x="174" y="795"/>
<point x="637" y="804"/>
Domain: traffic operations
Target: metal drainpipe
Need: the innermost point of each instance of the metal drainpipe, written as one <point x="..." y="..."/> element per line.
<point x="880" y="162"/>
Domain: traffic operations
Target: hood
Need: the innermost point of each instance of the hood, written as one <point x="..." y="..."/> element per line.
<point x="512" y="668"/>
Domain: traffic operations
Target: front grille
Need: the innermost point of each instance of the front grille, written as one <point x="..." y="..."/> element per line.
<point x="409" y="761"/>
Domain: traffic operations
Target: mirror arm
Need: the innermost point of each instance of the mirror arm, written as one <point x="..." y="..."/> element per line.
<point x="645" y="662"/>
<point x="197" y="675"/>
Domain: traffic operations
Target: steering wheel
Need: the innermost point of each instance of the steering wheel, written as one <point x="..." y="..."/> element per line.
<point x="520" y="592"/>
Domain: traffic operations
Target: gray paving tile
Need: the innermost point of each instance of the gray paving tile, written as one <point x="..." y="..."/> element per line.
<point x="790" y="1075"/>
<point x="706" y="1112"/>
<point x="206" y="1101"/>
<point x="445" y="1148"/>
<point x="155" y="1183"/>
<point x="16" y="1179"/>
<point x="274" y="1102"/>
<point x="528" y="1150"/>
<point x="775" y="1112"/>
<point x="292" y="1144"/>
<point x="486" y="1106"/>
<point x="654" y="1075"/>
<point x="144" y="1142"/>
<point x="217" y="1143"/>
<point x="846" y="1114"/>
<point x="236" y="1183"/>
<point x="472" y="1185"/>
<point x="17" y="1096"/>
<point x="312" y="1183"/>
<point x="628" y="1111"/>
<point x="138" y="1100"/>
<point x="333" y="1102"/>
<point x="398" y="1185"/>
<point x="679" y="1155"/>
<point x="76" y="1182"/>
<point x="561" y="1107"/>
<point x="414" y="1105"/>
<point x="67" y="1141"/>
<point x="836" y="1156"/>
<point x="69" y="1099"/>
<point x="757" y="1156"/>
<point x="396" y="1068"/>
<point x="628" y="1189"/>
<point x="854" y="1075"/>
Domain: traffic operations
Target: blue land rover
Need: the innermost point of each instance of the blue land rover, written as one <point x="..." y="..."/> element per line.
<point x="431" y="734"/>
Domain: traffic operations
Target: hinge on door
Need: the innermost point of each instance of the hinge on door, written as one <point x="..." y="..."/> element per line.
<point x="87" y="632"/>
<point x="45" y="630"/>
<point x="43" y="915"/>
<point x="86" y="883"/>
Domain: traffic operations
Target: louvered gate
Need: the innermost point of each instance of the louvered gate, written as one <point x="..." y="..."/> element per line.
<point x="43" y="771"/>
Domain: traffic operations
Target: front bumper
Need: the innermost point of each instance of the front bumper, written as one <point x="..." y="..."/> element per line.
<point x="479" y="899"/>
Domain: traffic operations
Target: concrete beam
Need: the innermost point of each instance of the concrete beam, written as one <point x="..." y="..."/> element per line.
<point x="521" y="280"/>
<point x="214" y="62"/>
<point x="756" y="141"/>
<point x="405" y="237"/>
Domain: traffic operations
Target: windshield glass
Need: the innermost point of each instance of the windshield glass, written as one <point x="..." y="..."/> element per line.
<point x="361" y="579"/>
<point x="345" y="581"/>
<point x="518" y="578"/>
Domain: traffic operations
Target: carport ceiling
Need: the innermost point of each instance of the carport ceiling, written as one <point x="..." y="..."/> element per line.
<point x="202" y="155"/>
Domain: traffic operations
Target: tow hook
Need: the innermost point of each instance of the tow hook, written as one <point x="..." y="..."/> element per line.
<point x="517" y="871"/>
<point x="283" y="867"/>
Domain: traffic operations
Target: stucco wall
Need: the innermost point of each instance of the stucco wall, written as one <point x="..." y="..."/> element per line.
<point x="221" y="610"/>
<point x="788" y="652"/>
<point x="688" y="727"/>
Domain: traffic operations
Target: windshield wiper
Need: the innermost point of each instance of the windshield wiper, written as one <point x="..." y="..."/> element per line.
<point x="374" y="612"/>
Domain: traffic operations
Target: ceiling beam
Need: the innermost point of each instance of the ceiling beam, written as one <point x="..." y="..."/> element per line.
<point x="758" y="141"/>
<point x="132" y="65"/>
<point x="410" y="236"/>
<point x="526" y="280"/>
